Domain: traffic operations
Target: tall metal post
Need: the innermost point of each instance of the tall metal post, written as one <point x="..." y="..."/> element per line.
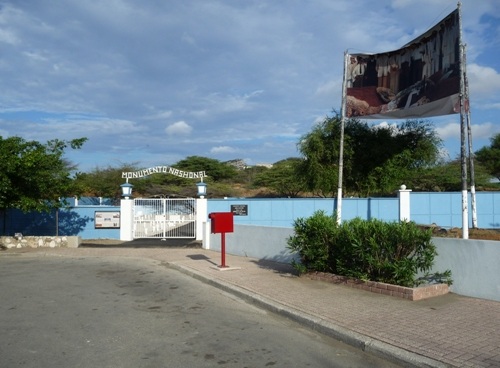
<point x="223" y="250"/>
<point x="341" y="146"/>
<point x="471" y="151"/>
<point x="463" y="134"/>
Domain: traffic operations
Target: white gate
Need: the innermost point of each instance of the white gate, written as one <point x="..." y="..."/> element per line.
<point x="164" y="218"/>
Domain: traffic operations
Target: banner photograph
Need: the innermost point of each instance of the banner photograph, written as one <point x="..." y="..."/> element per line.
<point x="421" y="79"/>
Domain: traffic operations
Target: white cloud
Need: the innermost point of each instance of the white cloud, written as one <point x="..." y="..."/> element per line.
<point x="483" y="131"/>
<point x="222" y="149"/>
<point x="492" y="106"/>
<point x="329" y="88"/>
<point x="179" y="128"/>
<point x="484" y="82"/>
<point x="385" y="125"/>
<point x="216" y="103"/>
<point x="7" y="37"/>
<point x="479" y="131"/>
<point x="36" y="57"/>
<point x="450" y="130"/>
<point x="216" y="76"/>
<point x="158" y="115"/>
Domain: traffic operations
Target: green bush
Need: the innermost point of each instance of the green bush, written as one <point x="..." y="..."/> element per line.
<point x="312" y="240"/>
<point x="390" y="252"/>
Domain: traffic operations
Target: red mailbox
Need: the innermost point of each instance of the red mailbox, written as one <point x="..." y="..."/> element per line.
<point x="222" y="222"/>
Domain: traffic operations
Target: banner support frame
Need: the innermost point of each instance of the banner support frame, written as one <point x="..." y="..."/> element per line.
<point x="341" y="145"/>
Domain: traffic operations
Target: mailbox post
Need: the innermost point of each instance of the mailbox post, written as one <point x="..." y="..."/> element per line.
<point x="222" y="223"/>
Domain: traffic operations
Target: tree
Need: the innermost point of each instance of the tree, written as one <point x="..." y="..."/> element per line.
<point x="320" y="149"/>
<point x="248" y="175"/>
<point x="447" y="177"/>
<point x="33" y="176"/>
<point x="377" y="159"/>
<point x="216" y="170"/>
<point x="283" y="178"/>
<point x="105" y="182"/>
<point x="489" y="157"/>
<point x="171" y="185"/>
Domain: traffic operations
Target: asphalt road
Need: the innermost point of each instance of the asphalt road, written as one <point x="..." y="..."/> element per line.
<point x="125" y="312"/>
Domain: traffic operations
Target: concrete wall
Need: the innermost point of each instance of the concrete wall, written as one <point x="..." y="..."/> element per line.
<point x="474" y="263"/>
<point x="256" y="242"/>
<point x="10" y="242"/>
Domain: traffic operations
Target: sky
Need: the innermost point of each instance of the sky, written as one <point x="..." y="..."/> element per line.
<point x="152" y="82"/>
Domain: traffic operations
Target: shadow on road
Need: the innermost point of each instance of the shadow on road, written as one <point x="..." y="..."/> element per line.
<point x="284" y="269"/>
<point x="141" y="243"/>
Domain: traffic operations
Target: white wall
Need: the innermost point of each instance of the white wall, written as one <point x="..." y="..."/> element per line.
<point x="256" y="242"/>
<point x="474" y="266"/>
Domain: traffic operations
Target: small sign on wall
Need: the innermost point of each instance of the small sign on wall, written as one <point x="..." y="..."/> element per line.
<point x="107" y="219"/>
<point x="239" y="209"/>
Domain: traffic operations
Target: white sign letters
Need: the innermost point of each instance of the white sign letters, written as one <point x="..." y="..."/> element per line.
<point x="164" y="170"/>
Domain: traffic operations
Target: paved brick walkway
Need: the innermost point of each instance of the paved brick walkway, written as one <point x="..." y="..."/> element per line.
<point x="446" y="331"/>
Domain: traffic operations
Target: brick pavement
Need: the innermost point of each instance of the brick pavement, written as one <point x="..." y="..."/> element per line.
<point x="446" y="331"/>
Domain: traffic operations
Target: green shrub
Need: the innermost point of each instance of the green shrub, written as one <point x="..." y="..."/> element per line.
<point x="390" y="252"/>
<point x="312" y="240"/>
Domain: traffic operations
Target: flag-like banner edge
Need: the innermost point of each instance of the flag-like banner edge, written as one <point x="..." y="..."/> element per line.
<point x="421" y="79"/>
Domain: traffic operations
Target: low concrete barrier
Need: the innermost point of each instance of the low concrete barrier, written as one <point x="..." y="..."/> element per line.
<point x="10" y="242"/>
<point x="255" y="241"/>
<point x="473" y="264"/>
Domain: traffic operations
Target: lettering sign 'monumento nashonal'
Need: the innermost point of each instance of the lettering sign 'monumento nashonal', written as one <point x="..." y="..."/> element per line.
<point x="164" y="170"/>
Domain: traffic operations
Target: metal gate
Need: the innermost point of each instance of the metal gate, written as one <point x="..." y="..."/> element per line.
<point x="164" y="218"/>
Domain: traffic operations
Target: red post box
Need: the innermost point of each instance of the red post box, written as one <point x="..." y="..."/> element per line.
<point x="222" y="222"/>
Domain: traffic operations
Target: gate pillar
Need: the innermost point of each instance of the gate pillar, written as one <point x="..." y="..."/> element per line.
<point x="126" y="219"/>
<point x="404" y="203"/>
<point x="201" y="217"/>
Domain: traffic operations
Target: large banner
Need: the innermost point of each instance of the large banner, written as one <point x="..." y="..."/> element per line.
<point x="421" y="79"/>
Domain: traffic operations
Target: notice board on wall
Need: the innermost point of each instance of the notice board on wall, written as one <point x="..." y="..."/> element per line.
<point x="107" y="219"/>
<point x="239" y="209"/>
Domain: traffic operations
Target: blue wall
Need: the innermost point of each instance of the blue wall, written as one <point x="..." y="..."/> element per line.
<point x="72" y="221"/>
<point x="445" y="209"/>
<point x="282" y="212"/>
<point x="442" y="209"/>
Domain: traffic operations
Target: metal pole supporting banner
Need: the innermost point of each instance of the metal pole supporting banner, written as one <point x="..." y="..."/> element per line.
<point x="463" y="134"/>
<point x="341" y="146"/>
<point x="471" y="151"/>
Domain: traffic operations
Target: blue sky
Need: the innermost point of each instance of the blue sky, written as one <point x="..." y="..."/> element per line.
<point x="152" y="82"/>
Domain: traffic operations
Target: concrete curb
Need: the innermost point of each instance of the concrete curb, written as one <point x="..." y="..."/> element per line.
<point x="365" y="343"/>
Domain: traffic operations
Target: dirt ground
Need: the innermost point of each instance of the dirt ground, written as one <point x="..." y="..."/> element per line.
<point x="482" y="234"/>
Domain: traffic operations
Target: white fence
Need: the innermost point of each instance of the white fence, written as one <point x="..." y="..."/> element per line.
<point x="164" y="218"/>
